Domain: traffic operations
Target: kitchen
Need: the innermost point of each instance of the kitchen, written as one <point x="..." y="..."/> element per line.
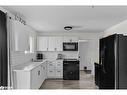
<point x="47" y="54"/>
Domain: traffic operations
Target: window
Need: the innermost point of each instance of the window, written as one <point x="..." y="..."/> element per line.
<point x="31" y="46"/>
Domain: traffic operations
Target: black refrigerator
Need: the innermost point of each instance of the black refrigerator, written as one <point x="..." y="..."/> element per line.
<point x="113" y="61"/>
<point x="3" y="50"/>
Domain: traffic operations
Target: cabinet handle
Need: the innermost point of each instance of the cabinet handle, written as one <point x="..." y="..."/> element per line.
<point x="55" y="49"/>
<point x="29" y="47"/>
<point x="50" y="64"/>
<point x="38" y="72"/>
<point x="47" y="49"/>
<point x="58" y="71"/>
<point x="50" y="71"/>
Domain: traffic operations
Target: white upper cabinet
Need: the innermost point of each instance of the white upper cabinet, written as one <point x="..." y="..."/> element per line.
<point x="59" y="43"/>
<point x="55" y="43"/>
<point x="70" y="39"/>
<point x="49" y="43"/>
<point x="52" y="44"/>
<point x="42" y="43"/>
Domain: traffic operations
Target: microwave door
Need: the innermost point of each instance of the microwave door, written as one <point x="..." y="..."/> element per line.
<point x="70" y="46"/>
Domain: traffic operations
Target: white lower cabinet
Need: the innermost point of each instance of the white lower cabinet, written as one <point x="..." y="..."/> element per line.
<point x="50" y="70"/>
<point x="36" y="77"/>
<point x="33" y="78"/>
<point x="30" y="79"/>
<point x="51" y="74"/>
<point x="59" y="73"/>
<point x="55" y="69"/>
<point x="43" y="71"/>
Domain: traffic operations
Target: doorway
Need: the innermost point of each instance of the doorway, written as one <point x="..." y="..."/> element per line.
<point x="85" y="54"/>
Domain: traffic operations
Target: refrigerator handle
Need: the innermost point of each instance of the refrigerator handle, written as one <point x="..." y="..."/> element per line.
<point x="103" y="67"/>
<point x="103" y="61"/>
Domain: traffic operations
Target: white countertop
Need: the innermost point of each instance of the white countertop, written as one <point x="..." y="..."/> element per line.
<point x="29" y="66"/>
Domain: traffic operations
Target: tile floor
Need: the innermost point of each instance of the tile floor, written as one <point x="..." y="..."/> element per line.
<point x="86" y="82"/>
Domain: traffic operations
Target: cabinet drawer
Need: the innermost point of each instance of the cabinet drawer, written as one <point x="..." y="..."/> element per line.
<point x="59" y="73"/>
<point x="51" y="73"/>
<point x="50" y="66"/>
<point x="58" y="66"/>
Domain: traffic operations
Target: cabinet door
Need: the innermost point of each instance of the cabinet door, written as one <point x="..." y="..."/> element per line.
<point x="52" y="44"/>
<point x="59" y="65"/>
<point x="36" y="78"/>
<point x="59" y="69"/>
<point x="42" y="43"/>
<point x="59" y="43"/>
<point x="55" y="43"/>
<point x="43" y="71"/>
<point x="59" y="73"/>
<point x="51" y="73"/>
<point x="50" y="65"/>
<point x="50" y="70"/>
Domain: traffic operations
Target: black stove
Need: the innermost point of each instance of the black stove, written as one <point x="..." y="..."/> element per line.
<point x="71" y="69"/>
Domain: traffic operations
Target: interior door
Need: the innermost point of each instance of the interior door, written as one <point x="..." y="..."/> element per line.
<point x="3" y="50"/>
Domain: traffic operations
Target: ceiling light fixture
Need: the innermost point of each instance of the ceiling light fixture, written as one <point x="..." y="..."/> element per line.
<point x="68" y="27"/>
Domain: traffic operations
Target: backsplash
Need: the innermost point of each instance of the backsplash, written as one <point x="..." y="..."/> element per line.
<point x="66" y="54"/>
<point x="18" y="58"/>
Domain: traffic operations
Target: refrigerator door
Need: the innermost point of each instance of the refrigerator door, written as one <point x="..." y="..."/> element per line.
<point x="3" y="50"/>
<point x="109" y="63"/>
<point x="122" y="66"/>
<point x="107" y="59"/>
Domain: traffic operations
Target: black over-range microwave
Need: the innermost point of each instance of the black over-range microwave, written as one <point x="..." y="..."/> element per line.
<point x="70" y="46"/>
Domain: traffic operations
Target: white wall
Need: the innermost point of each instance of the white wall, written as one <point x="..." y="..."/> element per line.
<point x="18" y="58"/>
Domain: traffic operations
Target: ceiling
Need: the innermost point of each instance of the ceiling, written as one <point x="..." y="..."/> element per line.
<point x="84" y="18"/>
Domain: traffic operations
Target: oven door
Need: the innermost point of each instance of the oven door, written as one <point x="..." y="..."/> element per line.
<point x="71" y="70"/>
<point x="70" y="46"/>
